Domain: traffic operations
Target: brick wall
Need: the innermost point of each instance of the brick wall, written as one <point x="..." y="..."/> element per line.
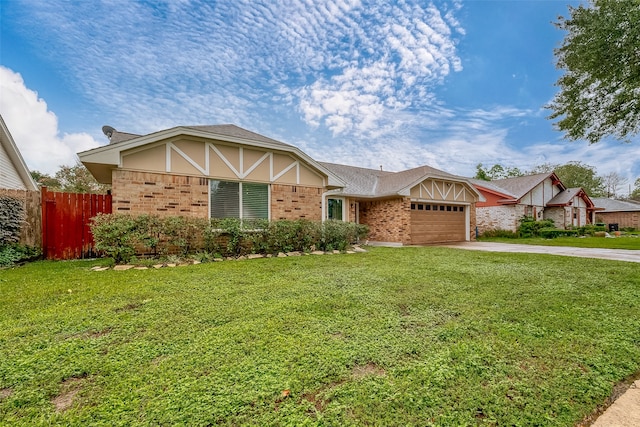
<point x="160" y="194"/>
<point x="496" y="218"/>
<point x="296" y="202"/>
<point x="623" y="219"/>
<point x="559" y="215"/>
<point x="31" y="231"/>
<point x="472" y="221"/>
<point x="388" y="220"/>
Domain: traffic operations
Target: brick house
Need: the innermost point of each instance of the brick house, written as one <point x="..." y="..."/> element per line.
<point x="541" y="196"/>
<point x="226" y="171"/>
<point x="623" y="213"/>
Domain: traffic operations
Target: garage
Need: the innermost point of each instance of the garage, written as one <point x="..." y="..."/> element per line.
<point x="437" y="223"/>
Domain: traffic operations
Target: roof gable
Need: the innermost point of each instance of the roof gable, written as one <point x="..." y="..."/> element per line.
<point x="373" y="183"/>
<point x="15" y="174"/>
<point x="565" y="198"/>
<point x="521" y="185"/>
<point x="100" y="161"/>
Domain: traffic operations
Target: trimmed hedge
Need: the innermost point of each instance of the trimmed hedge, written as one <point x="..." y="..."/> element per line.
<point x="123" y="236"/>
<point x="529" y="227"/>
<point x="552" y="233"/>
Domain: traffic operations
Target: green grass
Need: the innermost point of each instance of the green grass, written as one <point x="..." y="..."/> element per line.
<point x="631" y="241"/>
<point x="396" y="336"/>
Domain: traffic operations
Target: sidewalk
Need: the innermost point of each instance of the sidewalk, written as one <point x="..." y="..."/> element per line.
<point x="624" y="411"/>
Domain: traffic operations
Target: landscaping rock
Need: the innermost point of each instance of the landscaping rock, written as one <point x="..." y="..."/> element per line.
<point x="98" y="268"/>
<point x="317" y="253"/>
<point x="358" y="249"/>
<point x="295" y="253"/>
<point x="255" y="256"/>
<point x="158" y="265"/>
<point x="122" y="267"/>
<point x="281" y="255"/>
<point x="141" y="267"/>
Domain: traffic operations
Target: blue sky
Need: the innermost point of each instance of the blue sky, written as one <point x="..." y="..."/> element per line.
<point x="449" y="84"/>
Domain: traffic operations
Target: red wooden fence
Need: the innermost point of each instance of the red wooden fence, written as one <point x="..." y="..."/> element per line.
<point x="65" y="223"/>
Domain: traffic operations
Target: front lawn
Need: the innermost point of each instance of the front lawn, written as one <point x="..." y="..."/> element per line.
<point x="630" y="241"/>
<point x="396" y="336"/>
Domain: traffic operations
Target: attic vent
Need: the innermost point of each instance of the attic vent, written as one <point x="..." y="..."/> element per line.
<point x="108" y="131"/>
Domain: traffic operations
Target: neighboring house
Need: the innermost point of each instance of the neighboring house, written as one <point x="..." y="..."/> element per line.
<point x="541" y="196"/>
<point x="16" y="182"/>
<point x="14" y="173"/>
<point x="623" y="213"/>
<point x="226" y="171"/>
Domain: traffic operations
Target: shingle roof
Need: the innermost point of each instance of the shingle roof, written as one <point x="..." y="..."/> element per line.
<point x="225" y="130"/>
<point x="521" y="185"/>
<point x="565" y="197"/>
<point x="365" y="182"/>
<point x="489" y="185"/>
<point x="393" y="183"/>
<point x="360" y="181"/>
<point x="613" y="205"/>
<point x="117" y="136"/>
<point x="236" y="132"/>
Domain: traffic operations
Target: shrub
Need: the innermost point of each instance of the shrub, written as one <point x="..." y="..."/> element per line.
<point x="122" y="236"/>
<point x="529" y="227"/>
<point x="12" y="215"/>
<point x="115" y="235"/>
<point x="14" y="253"/>
<point x="590" y="229"/>
<point x="500" y="233"/>
<point x="338" y="235"/>
<point x="552" y="233"/>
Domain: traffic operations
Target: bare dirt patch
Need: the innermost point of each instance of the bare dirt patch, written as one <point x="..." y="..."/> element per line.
<point x="90" y="334"/>
<point x="129" y="307"/>
<point x="5" y="392"/>
<point x="69" y="391"/>
<point x="360" y="371"/>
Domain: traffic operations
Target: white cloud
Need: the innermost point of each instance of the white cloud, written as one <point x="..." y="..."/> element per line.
<point x="35" y="129"/>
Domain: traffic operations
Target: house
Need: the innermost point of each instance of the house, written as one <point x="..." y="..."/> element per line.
<point x="16" y="182"/>
<point x="541" y="196"/>
<point x="226" y="171"/>
<point x="14" y="174"/>
<point x="417" y="206"/>
<point x="623" y="213"/>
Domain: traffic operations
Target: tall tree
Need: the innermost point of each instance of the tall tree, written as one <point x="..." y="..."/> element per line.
<point x="496" y="172"/>
<point x="577" y="174"/>
<point x="71" y="179"/>
<point x="612" y="183"/>
<point x="45" y="180"/>
<point x="600" y="89"/>
<point x="635" y="194"/>
<point x="78" y="179"/>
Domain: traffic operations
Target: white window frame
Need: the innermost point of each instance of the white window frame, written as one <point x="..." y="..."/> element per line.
<point x="344" y="207"/>
<point x="240" y="201"/>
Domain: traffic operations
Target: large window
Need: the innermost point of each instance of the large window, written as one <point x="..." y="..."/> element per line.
<point x="239" y="200"/>
<point x="334" y="209"/>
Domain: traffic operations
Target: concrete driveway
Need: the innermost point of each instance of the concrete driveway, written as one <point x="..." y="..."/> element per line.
<point x="612" y="254"/>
